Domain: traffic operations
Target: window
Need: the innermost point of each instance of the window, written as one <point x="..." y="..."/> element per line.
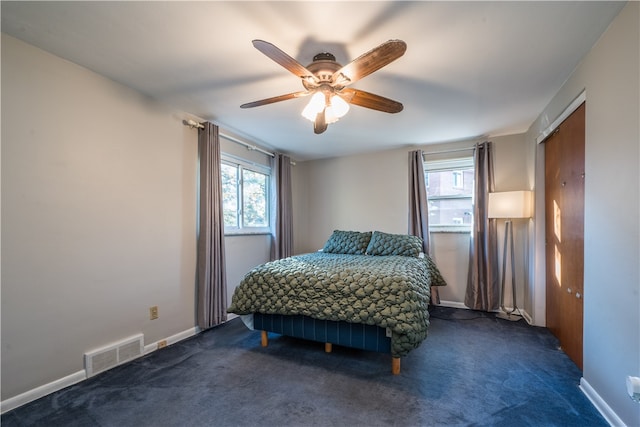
<point x="450" y="194"/>
<point x="245" y="196"/>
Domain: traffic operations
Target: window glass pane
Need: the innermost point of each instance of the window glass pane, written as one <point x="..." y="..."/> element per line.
<point x="450" y="194"/>
<point x="229" y="175"/>
<point x="454" y="211"/>
<point x="245" y="198"/>
<point x="450" y="183"/>
<point x="254" y="199"/>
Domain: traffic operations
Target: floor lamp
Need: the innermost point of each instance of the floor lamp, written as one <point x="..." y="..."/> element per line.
<point x="509" y="205"/>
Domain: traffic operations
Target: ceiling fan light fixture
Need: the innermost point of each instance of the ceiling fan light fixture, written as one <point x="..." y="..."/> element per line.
<point x="340" y="106"/>
<point x="330" y="115"/>
<point x="334" y="107"/>
<point x="316" y="105"/>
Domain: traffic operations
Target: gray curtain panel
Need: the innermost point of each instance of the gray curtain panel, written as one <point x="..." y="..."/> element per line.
<point x="483" y="288"/>
<point x="419" y="207"/>
<point x="211" y="276"/>
<point x="282" y="213"/>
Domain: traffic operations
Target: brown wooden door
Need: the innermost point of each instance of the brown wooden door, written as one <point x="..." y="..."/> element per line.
<point x="564" y="216"/>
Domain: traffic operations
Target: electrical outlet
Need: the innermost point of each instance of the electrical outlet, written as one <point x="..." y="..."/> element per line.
<point x="153" y="312"/>
<point x="162" y="344"/>
<point x="633" y="388"/>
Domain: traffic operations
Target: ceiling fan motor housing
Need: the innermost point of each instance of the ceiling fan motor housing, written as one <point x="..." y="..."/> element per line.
<point x="323" y="66"/>
<point x="324" y="56"/>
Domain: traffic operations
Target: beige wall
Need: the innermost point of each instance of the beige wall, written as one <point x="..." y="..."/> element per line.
<point x="610" y="75"/>
<point x="364" y="192"/>
<point x="242" y="253"/>
<point x="300" y="207"/>
<point x="98" y="217"/>
<point x="450" y="251"/>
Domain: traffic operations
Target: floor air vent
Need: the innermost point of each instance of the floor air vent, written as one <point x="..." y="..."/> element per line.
<point x="108" y="357"/>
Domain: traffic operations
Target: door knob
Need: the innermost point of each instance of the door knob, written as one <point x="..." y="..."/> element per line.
<point x="578" y="295"/>
<point x="568" y="290"/>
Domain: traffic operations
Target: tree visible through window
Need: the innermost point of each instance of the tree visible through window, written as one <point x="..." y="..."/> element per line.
<point x="230" y="195"/>
<point x="450" y="192"/>
<point x="245" y="196"/>
<point x="254" y="197"/>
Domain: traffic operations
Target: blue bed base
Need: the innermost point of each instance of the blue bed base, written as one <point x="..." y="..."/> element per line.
<point x="353" y="335"/>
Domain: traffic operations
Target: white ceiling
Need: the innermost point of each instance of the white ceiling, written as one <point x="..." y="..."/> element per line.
<point x="471" y="70"/>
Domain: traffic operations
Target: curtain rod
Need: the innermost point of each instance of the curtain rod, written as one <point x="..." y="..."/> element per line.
<point x="453" y="150"/>
<point x="193" y="124"/>
<point x="249" y="146"/>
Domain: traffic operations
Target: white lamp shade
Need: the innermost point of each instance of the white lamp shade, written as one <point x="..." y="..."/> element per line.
<point x="339" y="105"/>
<point x="510" y="204"/>
<point x="315" y="106"/>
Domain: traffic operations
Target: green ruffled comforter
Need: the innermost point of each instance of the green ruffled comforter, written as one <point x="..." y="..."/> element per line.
<point x="388" y="291"/>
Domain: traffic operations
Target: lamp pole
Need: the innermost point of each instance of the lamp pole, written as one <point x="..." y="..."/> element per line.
<point x="508" y="247"/>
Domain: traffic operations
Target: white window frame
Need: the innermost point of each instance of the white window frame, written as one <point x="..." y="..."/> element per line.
<point x="450" y="165"/>
<point x="244" y="164"/>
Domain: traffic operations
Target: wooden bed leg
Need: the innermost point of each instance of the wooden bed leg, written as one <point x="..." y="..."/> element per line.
<point x="264" y="339"/>
<point x="395" y="365"/>
<point x="328" y="347"/>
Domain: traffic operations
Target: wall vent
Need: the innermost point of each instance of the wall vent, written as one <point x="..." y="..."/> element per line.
<point x="115" y="354"/>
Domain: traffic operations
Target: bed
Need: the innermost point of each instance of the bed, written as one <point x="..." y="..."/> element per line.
<point x="366" y="290"/>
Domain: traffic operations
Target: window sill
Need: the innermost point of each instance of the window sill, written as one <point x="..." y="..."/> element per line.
<point x="246" y="233"/>
<point x="460" y="229"/>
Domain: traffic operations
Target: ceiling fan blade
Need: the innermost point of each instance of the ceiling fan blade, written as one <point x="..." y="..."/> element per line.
<point x="370" y="100"/>
<point x="275" y="99"/>
<point x="320" y="125"/>
<point x="285" y="60"/>
<point x="369" y="62"/>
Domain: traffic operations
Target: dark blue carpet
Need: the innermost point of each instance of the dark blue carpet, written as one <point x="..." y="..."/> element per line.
<point x="472" y="370"/>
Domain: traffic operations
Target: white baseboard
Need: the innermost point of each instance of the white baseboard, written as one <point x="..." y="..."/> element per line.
<point x="602" y="407"/>
<point x="150" y="348"/>
<point x="43" y="390"/>
<point x="453" y="304"/>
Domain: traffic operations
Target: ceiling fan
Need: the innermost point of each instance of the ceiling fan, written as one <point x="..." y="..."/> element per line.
<point x="326" y="81"/>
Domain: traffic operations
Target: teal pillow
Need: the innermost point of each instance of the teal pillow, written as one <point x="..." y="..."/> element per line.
<point x="347" y="242"/>
<point x="394" y="244"/>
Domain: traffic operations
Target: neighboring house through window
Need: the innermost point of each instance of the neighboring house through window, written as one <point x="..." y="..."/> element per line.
<point x="450" y="194"/>
<point x="458" y="179"/>
<point x="245" y="196"/>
